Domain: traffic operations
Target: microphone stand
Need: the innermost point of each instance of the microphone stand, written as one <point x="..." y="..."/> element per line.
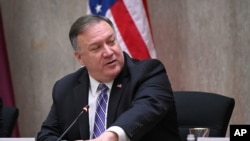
<point x="84" y="110"/>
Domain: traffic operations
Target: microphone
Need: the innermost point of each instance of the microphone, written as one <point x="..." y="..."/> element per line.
<point x="84" y="110"/>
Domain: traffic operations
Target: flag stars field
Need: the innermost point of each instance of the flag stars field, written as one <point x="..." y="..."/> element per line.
<point x="98" y="8"/>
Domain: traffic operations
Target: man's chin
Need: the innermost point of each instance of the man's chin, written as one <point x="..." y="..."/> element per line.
<point x="111" y="75"/>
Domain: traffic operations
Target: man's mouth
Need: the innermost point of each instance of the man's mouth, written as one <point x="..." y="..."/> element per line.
<point x="111" y="62"/>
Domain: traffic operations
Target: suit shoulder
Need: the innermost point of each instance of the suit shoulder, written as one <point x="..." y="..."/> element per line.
<point x="72" y="77"/>
<point x="66" y="84"/>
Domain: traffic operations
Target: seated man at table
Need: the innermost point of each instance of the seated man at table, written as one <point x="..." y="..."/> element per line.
<point x="136" y="102"/>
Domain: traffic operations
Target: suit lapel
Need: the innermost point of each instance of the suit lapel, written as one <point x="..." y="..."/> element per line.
<point x="117" y="91"/>
<point x="81" y="97"/>
<point x="81" y="100"/>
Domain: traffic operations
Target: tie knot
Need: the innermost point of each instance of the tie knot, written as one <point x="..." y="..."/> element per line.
<point x="102" y="87"/>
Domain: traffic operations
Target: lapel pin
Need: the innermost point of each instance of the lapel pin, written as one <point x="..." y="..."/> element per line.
<point x="119" y="85"/>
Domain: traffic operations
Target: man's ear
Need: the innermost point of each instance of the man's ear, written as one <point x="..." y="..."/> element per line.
<point x="79" y="57"/>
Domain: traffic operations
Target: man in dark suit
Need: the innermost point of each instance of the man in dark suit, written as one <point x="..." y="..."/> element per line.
<point x="140" y="105"/>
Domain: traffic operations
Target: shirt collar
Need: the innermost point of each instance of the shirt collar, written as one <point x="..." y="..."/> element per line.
<point x="94" y="85"/>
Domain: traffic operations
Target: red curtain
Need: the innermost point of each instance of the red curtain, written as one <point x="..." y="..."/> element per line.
<point x="6" y="89"/>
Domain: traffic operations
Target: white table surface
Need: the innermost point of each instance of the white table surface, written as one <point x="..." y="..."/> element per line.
<point x="213" y="139"/>
<point x="33" y="139"/>
<point x="17" y="139"/>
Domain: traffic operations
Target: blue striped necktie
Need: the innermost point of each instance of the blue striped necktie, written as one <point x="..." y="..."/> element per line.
<point x="100" y="114"/>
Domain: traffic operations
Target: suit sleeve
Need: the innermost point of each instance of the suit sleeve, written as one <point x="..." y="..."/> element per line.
<point x="152" y="99"/>
<point x="50" y="130"/>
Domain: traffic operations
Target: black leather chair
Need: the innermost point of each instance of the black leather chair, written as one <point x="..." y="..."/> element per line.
<point x="9" y="119"/>
<point x="203" y="109"/>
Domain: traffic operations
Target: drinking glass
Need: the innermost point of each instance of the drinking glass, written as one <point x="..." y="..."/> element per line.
<point x="199" y="132"/>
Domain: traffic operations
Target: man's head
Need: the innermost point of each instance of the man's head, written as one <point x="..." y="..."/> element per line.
<point x="94" y="41"/>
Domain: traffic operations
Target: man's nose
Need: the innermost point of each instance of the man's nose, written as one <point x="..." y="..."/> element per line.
<point x="107" y="50"/>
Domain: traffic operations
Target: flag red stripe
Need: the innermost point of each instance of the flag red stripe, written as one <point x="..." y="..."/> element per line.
<point x="130" y="34"/>
<point x="149" y="22"/>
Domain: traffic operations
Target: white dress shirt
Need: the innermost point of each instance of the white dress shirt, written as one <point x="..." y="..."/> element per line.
<point x="93" y="95"/>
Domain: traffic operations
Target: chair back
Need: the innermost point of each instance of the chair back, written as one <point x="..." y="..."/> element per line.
<point x="1" y="117"/>
<point x="203" y="109"/>
<point x="9" y="119"/>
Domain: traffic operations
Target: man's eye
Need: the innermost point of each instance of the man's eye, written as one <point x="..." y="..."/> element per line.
<point x="96" y="47"/>
<point x="111" y="42"/>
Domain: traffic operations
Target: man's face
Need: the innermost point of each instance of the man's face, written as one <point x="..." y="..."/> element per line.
<point x="100" y="52"/>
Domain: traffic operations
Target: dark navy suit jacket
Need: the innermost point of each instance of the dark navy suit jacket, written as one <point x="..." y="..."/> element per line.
<point x="141" y="102"/>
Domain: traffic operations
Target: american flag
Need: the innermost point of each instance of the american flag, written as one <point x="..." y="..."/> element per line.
<point x="131" y="20"/>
